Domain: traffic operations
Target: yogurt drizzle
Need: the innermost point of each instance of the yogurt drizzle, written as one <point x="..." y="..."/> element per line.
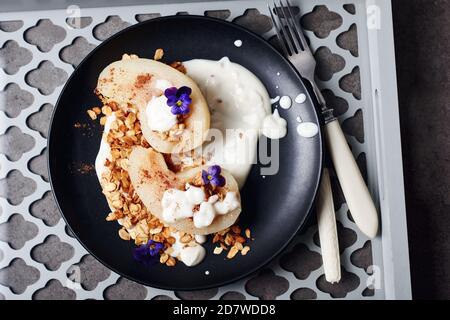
<point x="285" y="102"/>
<point x="239" y="106"/>
<point x="301" y="98"/>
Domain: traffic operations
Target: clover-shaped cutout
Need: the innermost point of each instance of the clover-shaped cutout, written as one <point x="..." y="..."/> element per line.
<point x="349" y="216"/>
<point x="46" y="209"/>
<point x="368" y="292"/>
<point x="54" y="290"/>
<point x="13" y="56"/>
<point x="76" y="51"/>
<point x="338" y="195"/>
<point x="354" y="126"/>
<point x="351" y="83"/>
<point x="15" y="187"/>
<point x="232" y="295"/>
<point x="69" y="231"/>
<point x="197" y="294"/>
<point x="13" y="100"/>
<point x="362" y="257"/>
<point x="253" y="20"/>
<point x="53" y="76"/>
<point x="161" y="297"/>
<point x="339" y="105"/>
<point x="52" y="252"/>
<point x="362" y="165"/>
<point x="301" y="261"/>
<point x="321" y="21"/>
<point x="348" y="40"/>
<point x="219" y="14"/>
<point x="295" y="10"/>
<point x="303" y="294"/>
<point x="147" y="16"/>
<point x="14" y="143"/>
<point x="18" y="276"/>
<point x="45" y="35"/>
<point x="40" y="120"/>
<point x="78" y="22"/>
<point x="266" y="285"/>
<point x="17" y="231"/>
<point x="125" y="289"/>
<point x="349" y="282"/>
<point x="112" y="25"/>
<point x="350" y="8"/>
<point x="328" y="63"/>
<point x="346" y="237"/>
<point x="275" y="42"/>
<point x="88" y="272"/>
<point x="11" y="26"/>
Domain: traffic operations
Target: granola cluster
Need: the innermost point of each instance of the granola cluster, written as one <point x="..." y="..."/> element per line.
<point x="232" y="241"/>
<point x="137" y="223"/>
<point x="174" y="134"/>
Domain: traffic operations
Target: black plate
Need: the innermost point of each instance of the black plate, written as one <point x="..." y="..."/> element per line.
<point x="274" y="207"/>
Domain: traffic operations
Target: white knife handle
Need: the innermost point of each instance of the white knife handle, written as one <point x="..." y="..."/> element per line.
<point x="326" y="221"/>
<point x="356" y="194"/>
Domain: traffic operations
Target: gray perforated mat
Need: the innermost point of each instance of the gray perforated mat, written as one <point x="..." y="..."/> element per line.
<point x="38" y="257"/>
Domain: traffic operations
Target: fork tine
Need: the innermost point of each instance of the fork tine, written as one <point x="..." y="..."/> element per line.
<point x="289" y="18"/>
<point x="278" y="31"/>
<point x="285" y="35"/>
<point x="298" y="28"/>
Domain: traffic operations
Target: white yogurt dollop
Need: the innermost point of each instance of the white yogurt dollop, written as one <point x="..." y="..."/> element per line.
<point x="159" y="116"/>
<point x="301" y="98"/>
<point x="228" y="204"/>
<point x="275" y="100"/>
<point x="285" y="102"/>
<point x="206" y="213"/>
<point x="179" y="204"/>
<point x="200" y="238"/>
<point x="274" y="126"/>
<point x="211" y="208"/>
<point x="307" y="129"/>
<point x="190" y="255"/>
<point x="158" y="113"/>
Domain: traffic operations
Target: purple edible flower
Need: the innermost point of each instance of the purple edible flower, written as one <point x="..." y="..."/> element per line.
<point x="213" y="177"/>
<point x="148" y="252"/>
<point x="178" y="99"/>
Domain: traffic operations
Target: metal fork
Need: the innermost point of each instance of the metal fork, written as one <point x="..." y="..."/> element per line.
<point x="296" y="49"/>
